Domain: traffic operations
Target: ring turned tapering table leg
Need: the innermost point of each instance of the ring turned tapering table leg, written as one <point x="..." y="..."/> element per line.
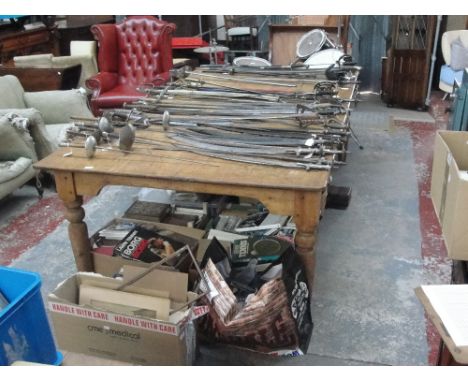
<point x="74" y="213"/>
<point x="306" y="217"/>
<point x="78" y="233"/>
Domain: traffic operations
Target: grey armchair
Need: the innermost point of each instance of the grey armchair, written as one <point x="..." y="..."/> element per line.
<point x="46" y="116"/>
<point x="49" y="112"/>
<point x="17" y="156"/>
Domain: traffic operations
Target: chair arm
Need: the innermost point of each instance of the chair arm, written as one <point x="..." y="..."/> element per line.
<point x="34" y="60"/>
<point x="102" y="82"/>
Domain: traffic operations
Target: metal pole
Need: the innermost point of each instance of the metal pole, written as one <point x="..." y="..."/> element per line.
<point x="433" y="58"/>
<point x="339" y="45"/>
<point x="200" y="24"/>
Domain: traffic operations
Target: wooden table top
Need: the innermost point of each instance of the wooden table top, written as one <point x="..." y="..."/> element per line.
<point x="157" y="164"/>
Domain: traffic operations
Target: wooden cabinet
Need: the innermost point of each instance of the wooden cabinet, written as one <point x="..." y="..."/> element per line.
<point x="25" y="42"/>
<point x="35" y="79"/>
<point x="407" y="66"/>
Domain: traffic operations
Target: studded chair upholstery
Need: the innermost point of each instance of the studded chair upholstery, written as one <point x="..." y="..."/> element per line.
<point x="135" y="52"/>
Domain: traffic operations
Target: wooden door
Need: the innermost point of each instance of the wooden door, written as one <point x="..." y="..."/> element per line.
<point x="408" y="65"/>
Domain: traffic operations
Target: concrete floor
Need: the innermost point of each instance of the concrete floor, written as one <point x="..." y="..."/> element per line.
<point x="370" y="257"/>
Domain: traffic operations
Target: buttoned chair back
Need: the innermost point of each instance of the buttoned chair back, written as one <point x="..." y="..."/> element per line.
<point x="135" y="52"/>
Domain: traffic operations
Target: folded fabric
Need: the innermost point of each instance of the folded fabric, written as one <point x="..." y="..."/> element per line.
<point x="43" y="141"/>
<point x="15" y="142"/>
<point x="459" y="55"/>
<point x="12" y="169"/>
<point x="449" y="76"/>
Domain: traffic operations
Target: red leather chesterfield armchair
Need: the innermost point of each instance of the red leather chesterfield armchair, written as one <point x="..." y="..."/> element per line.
<point x="135" y="52"/>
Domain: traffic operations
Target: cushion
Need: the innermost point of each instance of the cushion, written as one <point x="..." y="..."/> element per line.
<point x="117" y="96"/>
<point x="459" y="55"/>
<point x="57" y="106"/>
<point x="15" y="142"/>
<point x="12" y="169"/>
<point x="57" y="133"/>
<point x="448" y="75"/>
<point x="42" y="139"/>
<point x="11" y="93"/>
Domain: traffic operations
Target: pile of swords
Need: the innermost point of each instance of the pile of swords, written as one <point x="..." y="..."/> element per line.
<point x="293" y="130"/>
<point x="342" y="72"/>
<point x="286" y="82"/>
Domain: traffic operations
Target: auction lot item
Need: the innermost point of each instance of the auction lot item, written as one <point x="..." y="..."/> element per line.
<point x="273" y="319"/>
<point x="136" y="339"/>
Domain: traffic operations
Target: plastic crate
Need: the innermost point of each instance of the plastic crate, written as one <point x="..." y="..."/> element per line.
<point x="25" y="333"/>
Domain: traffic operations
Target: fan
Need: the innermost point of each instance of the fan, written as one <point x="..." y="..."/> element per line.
<point x="312" y="42"/>
<point x="324" y="58"/>
<point x="250" y="61"/>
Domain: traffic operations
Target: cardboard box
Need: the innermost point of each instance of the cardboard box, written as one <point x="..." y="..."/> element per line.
<point x="447" y="307"/>
<point x="109" y="265"/>
<point x="449" y="190"/>
<point x="138" y="340"/>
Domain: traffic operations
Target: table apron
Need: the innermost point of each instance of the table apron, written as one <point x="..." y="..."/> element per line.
<point x="304" y="205"/>
<point x="279" y="201"/>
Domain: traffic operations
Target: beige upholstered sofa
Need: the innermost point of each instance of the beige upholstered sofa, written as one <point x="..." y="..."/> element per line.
<point x="81" y="52"/>
<point x="47" y="115"/>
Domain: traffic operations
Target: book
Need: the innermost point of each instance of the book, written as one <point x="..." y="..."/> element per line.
<point x="265" y="249"/>
<point x="211" y="205"/>
<point x="113" y="232"/>
<point x="184" y="220"/>
<point x="227" y="223"/>
<point x="131" y="304"/>
<point x="148" y="211"/>
<point x="225" y="236"/>
<point x="146" y="245"/>
<point x="275" y="219"/>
